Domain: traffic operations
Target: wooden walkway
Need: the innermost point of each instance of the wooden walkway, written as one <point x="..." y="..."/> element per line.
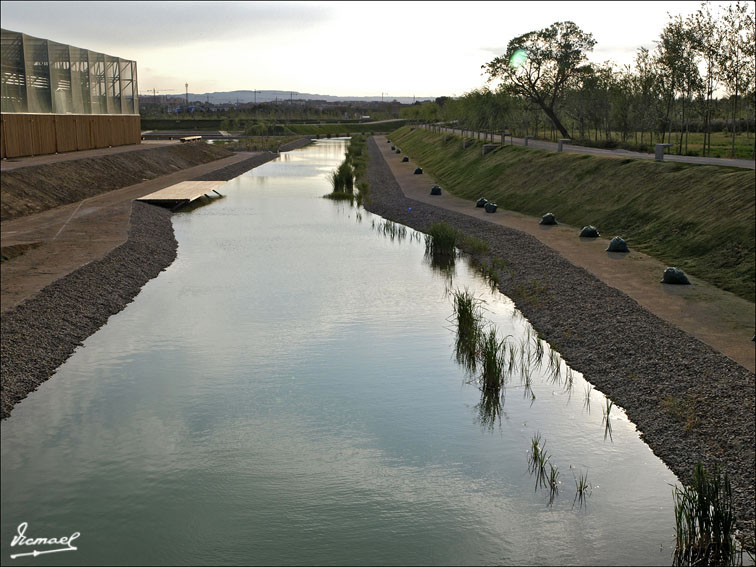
<point x="182" y="193"/>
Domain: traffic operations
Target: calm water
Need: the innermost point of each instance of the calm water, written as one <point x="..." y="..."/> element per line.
<point x="286" y="393"/>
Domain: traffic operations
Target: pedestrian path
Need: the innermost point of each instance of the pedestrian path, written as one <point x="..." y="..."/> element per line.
<point x="570" y="148"/>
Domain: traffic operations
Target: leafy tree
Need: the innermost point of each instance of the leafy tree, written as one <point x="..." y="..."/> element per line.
<point x="539" y="65"/>
<point x="736" y="55"/>
<point x="704" y="34"/>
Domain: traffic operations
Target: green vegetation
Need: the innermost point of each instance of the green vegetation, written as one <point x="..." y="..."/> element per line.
<point x="441" y="240"/>
<point x="256" y="143"/>
<point x="351" y="173"/>
<point x="549" y="88"/>
<point x="469" y="318"/>
<point x="705" y="520"/>
<point x="491" y="360"/>
<point x="252" y="127"/>
<point x="686" y="410"/>
<point x="343" y="129"/>
<point x="699" y="218"/>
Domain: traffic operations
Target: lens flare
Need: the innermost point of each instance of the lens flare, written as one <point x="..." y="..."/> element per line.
<point x="518" y="58"/>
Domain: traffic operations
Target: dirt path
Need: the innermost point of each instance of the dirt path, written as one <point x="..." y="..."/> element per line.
<point x="73" y="235"/>
<point x="717" y="318"/>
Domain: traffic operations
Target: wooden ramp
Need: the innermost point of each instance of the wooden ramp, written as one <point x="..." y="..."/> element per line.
<point x="182" y="193"/>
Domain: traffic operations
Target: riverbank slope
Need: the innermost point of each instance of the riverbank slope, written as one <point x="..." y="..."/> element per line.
<point x="699" y="218"/>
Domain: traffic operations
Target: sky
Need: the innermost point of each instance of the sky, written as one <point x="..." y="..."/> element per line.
<point x="423" y="49"/>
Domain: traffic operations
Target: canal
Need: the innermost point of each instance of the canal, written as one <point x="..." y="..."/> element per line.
<point x="286" y="392"/>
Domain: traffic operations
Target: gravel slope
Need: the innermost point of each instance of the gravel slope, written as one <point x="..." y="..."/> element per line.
<point x="634" y="357"/>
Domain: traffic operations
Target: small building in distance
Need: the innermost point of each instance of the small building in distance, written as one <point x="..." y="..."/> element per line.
<point x="61" y="98"/>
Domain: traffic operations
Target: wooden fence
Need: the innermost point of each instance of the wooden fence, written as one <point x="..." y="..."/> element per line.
<point x="39" y="134"/>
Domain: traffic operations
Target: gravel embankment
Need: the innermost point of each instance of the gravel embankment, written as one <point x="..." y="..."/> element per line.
<point x="690" y="403"/>
<point x="41" y="333"/>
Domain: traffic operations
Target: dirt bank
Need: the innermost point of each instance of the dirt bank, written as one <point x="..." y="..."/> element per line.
<point x="43" y="187"/>
<point x="690" y="403"/>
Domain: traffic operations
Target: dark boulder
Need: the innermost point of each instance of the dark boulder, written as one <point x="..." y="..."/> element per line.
<point x="617" y="244"/>
<point x="548" y="219"/>
<point x="675" y="276"/>
<point x="589" y="232"/>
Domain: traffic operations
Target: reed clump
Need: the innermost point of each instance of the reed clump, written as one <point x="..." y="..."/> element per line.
<point x="468" y="314"/>
<point x="441" y="240"/>
<point x="351" y="173"/>
<point x="705" y="520"/>
<point x="491" y="360"/>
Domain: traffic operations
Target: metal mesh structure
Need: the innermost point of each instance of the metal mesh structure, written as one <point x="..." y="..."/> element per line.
<point x="44" y="77"/>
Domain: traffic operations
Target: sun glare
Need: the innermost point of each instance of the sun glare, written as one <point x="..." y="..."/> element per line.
<point x="518" y="58"/>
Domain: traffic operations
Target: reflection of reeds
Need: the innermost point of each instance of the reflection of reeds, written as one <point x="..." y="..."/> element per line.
<point x="538" y="458"/>
<point x="528" y="389"/>
<point x="606" y="421"/>
<point x="582" y="489"/>
<point x="705" y="520"/>
<point x="553" y="482"/>
<point x="489" y="408"/>
<point x="392" y="230"/>
<point x="587" y="400"/>
<point x="555" y="366"/>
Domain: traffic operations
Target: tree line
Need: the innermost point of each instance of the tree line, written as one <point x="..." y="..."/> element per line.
<point x="544" y="83"/>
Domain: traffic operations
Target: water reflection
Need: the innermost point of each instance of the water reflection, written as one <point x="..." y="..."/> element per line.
<point x="490" y="408"/>
<point x="442" y="264"/>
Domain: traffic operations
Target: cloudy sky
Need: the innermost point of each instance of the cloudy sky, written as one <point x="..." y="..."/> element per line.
<point x="337" y="48"/>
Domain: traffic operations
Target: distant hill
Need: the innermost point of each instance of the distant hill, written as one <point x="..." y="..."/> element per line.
<point x="270" y="96"/>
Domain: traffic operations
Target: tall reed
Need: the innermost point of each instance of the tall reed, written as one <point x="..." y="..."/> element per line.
<point x="491" y="360"/>
<point x="705" y="520"/>
<point x="468" y="314"/>
<point x="441" y="239"/>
